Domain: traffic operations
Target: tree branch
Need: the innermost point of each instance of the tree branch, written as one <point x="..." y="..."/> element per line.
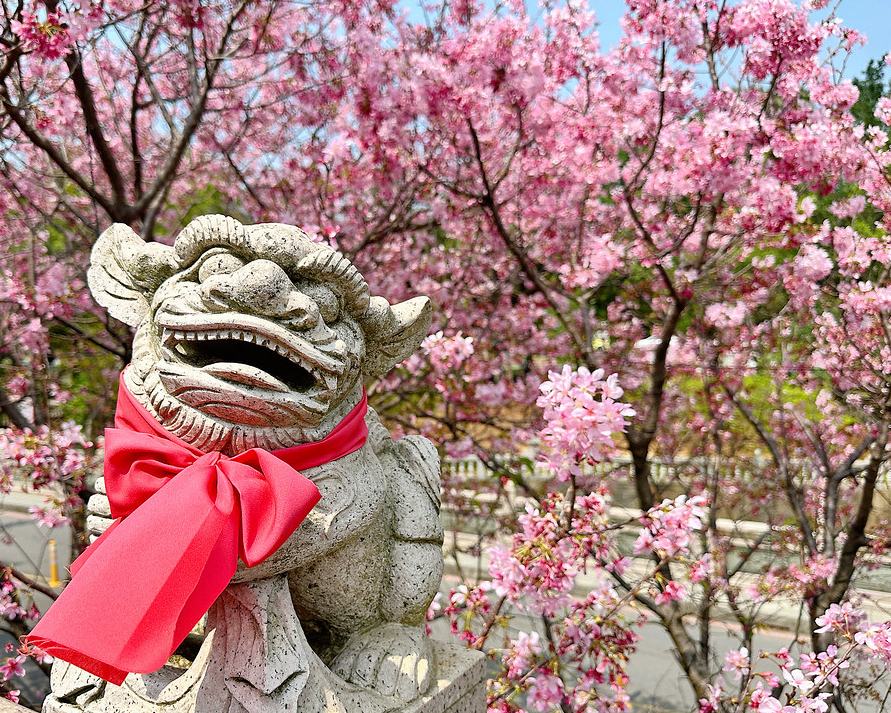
<point x="93" y="126"/>
<point x="28" y="582"/>
<point x="117" y="351"/>
<point x="13" y="413"/>
<point x="780" y="462"/>
<point x="529" y="269"/>
<point x="55" y="155"/>
<point x="845" y="470"/>
<point x="193" y="120"/>
<point x="856" y="531"/>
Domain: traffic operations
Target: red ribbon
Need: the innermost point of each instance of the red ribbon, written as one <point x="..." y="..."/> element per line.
<point x="144" y="584"/>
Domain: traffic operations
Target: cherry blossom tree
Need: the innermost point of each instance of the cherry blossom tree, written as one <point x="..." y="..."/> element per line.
<point x="652" y="210"/>
<point x="695" y="210"/>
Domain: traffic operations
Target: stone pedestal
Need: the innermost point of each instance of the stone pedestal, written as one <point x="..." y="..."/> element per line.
<point x="458" y="686"/>
<point x="460" y="683"/>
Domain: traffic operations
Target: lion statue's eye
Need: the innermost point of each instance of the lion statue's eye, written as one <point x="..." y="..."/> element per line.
<point x="219" y="264"/>
<point x="327" y="300"/>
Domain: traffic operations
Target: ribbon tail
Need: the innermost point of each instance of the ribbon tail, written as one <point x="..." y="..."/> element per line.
<point x="139" y="593"/>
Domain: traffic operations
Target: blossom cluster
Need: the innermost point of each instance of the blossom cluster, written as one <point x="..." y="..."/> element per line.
<point x="850" y="625"/>
<point x="583" y="414"/>
<point x="667" y="527"/>
<point x="539" y="570"/>
<point x="446" y="354"/>
<point x="590" y="635"/>
<point x="44" y="457"/>
<point x="48" y="38"/>
<point x="812" y="678"/>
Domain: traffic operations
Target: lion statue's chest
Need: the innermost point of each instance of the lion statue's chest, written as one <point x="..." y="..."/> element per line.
<point x="353" y="490"/>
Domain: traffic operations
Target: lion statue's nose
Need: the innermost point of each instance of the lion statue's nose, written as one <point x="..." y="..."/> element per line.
<point x="261" y="287"/>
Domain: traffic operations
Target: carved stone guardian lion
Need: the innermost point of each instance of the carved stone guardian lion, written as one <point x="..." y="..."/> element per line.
<point x="258" y="337"/>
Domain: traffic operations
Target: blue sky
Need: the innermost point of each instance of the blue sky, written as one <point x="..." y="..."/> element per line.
<point x="872" y="17"/>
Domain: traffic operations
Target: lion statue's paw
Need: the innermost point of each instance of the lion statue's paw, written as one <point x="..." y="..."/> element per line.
<point x="393" y="659"/>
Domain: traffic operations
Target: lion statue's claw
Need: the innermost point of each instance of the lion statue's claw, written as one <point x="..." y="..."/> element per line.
<point x="393" y="659"/>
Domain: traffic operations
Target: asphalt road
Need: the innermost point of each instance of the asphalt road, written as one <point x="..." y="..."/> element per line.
<point x="25" y="545"/>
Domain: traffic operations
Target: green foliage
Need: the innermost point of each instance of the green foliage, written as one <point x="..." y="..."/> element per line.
<point x="872" y="87"/>
<point x="204" y="200"/>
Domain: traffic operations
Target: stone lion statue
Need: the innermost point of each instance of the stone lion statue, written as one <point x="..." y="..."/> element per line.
<point x="258" y="337"/>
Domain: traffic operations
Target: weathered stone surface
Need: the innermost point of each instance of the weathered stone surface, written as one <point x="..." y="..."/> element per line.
<point x="255" y="336"/>
<point x="459" y="684"/>
<point x="457" y="674"/>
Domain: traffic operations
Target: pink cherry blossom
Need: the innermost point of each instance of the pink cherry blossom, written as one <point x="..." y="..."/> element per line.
<point x="672" y="592"/>
<point x="48" y="517"/>
<point x="545" y="692"/>
<point x="582" y="415"/>
<point x="12" y="667"/>
<point x="47" y="38"/>
<point x="883" y="110"/>
<point x="737" y="662"/>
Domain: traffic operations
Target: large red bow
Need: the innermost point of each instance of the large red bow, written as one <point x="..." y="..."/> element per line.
<point x="142" y="586"/>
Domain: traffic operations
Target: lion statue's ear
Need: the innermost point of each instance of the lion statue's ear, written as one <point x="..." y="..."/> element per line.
<point x="125" y="271"/>
<point x="393" y="334"/>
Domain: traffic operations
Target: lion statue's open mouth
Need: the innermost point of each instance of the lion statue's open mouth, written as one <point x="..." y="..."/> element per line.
<point x="280" y="377"/>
